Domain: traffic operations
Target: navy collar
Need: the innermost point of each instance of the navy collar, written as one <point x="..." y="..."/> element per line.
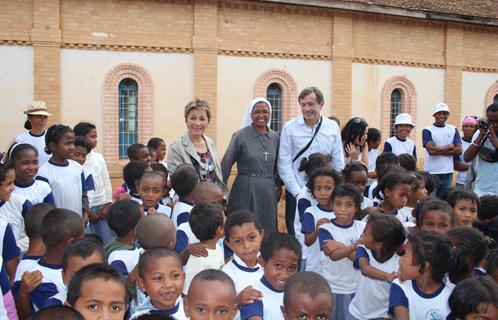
<point x="340" y="225"/>
<point x="2" y="203"/>
<point x="49" y="265"/>
<point x="29" y="184"/>
<point x="168" y="312"/>
<point x="439" y="125"/>
<point x="26" y="257"/>
<point x="267" y="284"/>
<point x="426" y="295"/>
<point x="324" y="209"/>
<point x="399" y="139"/>
<point x="243" y="268"/>
<point x="185" y="201"/>
<point x="36" y="135"/>
<point x="134" y="195"/>
<point x="65" y="164"/>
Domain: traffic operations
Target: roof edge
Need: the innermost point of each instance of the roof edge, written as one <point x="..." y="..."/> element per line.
<point x="372" y="8"/>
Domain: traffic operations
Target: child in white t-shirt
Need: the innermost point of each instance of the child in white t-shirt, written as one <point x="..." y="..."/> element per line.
<point x="400" y="143"/>
<point x="421" y="290"/>
<point x="207" y="221"/>
<point x="378" y="262"/>
<point x="322" y="182"/>
<point x="338" y="241"/>
<point x="65" y="176"/>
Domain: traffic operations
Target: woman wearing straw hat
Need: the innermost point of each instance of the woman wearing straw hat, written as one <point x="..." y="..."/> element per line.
<point x="35" y="124"/>
<point x="254" y="148"/>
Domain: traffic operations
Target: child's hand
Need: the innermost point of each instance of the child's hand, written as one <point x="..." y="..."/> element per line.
<point x="321" y="221"/>
<point x="30" y="281"/>
<point x="151" y="211"/>
<point x="248" y="295"/>
<point x="391" y="276"/>
<point x="330" y="246"/>
<point x="93" y="217"/>
<point x="197" y="250"/>
<point x="105" y="209"/>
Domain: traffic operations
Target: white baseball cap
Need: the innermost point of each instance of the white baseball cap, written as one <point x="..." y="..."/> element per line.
<point x="403" y="118"/>
<point x="441" y="106"/>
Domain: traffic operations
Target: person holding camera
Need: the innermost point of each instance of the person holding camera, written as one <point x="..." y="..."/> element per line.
<point x="485" y="147"/>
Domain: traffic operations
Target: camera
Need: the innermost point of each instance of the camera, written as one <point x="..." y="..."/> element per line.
<point x="483" y="124"/>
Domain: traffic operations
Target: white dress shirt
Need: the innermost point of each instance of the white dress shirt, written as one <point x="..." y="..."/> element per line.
<point x="295" y="136"/>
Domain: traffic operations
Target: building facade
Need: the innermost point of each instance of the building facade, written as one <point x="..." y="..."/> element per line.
<point x="131" y="66"/>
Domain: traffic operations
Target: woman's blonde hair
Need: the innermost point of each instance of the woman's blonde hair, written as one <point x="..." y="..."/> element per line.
<point x="200" y="105"/>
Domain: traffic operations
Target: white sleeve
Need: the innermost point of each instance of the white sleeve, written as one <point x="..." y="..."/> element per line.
<point x="337" y="153"/>
<point x="106" y="179"/>
<point x="285" y="163"/>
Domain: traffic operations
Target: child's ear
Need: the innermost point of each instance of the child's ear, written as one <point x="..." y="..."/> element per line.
<point x="141" y="284"/>
<point x="261" y="261"/>
<point x="51" y="146"/>
<point x="137" y="185"/>
<point x="284" y="312"/>
<point x="220" y="231"/>
<point x="186" y="307"/>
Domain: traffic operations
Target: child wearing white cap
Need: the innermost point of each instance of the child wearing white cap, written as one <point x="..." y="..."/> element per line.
<point x="37" y="113"/>
<point x="441" y="142"/>
<point x="400" y="143"/>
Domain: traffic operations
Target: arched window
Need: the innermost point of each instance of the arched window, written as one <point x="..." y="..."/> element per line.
<point x="495" y="99"/>
<point x="274" y="96"/>
<point x="127" y="115"/>
<point x="395" y="108"/>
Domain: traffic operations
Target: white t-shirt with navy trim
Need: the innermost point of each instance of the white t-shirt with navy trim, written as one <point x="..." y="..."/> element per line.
<point x="5" y="285"/>
<point x="124" y="260"/>
<point x="215" y="259"/>
<point x="181" y="212"/>
<point x="310" y="217"/>
<point x="177" y="312"/>
<point x="398" y="146"/>
<point x="241" y="274"/>
<point x="67" y="182"/>
<point x="421" y="306"/>
<point x="37" y="191"/>
<point x="90" y="187"/>
<point x="8" y="246"/>
<point x="52" y="288"/>
<point x="162" y="209"/>
<point x="268" y="307"/>
<point x="448" y="134"/>
<point x="184" y="237"/>
<point x="372" y="296"/>
<point x="37" y="141"/>
<point x="13" y="211"/>
<point x="27" y="263"/>
<point x="341" y="275"/>
<point x="462" y="175"/>
<point x="304" y="200"/>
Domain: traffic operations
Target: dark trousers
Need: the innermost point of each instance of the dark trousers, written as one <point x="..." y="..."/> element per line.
<point x="290" y="212"/>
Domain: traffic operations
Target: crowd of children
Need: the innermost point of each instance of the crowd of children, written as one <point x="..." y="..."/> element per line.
<point x="371" y="243"/>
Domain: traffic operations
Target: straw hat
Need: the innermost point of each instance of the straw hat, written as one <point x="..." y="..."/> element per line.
<point x="37" y="108"/>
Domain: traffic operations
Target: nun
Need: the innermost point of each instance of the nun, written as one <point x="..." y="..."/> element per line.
<point x="254" y="148"/>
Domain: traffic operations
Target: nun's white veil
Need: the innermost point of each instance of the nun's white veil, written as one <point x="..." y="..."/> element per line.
<point x="247" y="120"/>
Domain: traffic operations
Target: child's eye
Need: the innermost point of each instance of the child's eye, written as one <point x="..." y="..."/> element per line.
<point x="278" y="266"/>
<point x="116" y="308"/>
<point x="322" y="317"/>
<point x="237" y="242"/>
<point x="92" y="307"/>
<point x="157" y="278"/>
<point x="223" y="311"/>
<point x="292" y="268"/>
<point x="301" y="316"/>
<point x="201" y="309"/>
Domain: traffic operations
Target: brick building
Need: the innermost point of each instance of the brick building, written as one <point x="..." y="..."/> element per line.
<point x="131" y="66"/>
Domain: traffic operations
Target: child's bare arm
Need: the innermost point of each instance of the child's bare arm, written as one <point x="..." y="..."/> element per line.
<point x="401" y="313"/>
<point x="344" y="252"/>
<point x="374" y="273"/>
<point x="310" y="238"/>
<point x="29" y="282"/>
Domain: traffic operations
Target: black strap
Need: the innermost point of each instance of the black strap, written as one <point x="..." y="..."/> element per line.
<point x="303" y="150"/>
